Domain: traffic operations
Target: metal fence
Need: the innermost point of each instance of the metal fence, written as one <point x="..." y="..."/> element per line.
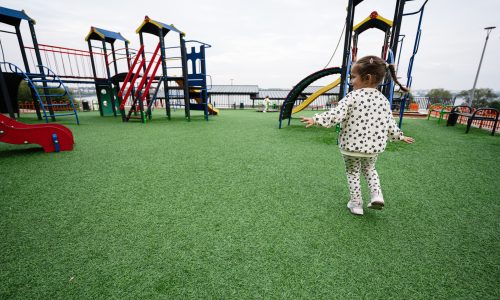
<point x="244" y="101"/>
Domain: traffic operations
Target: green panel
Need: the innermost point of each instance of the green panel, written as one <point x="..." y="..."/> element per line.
<point x="104" y="93"/>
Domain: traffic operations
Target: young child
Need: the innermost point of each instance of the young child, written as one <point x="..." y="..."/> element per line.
<point x="266" y="103"/>
<point x="366" y="125"/>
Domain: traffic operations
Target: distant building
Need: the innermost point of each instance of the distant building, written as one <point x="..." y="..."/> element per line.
<point x="230" y="96"/>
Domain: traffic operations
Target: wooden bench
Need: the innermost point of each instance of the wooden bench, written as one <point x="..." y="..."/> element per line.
<point x="441" y="109"/>
<point x="480" y="114"/>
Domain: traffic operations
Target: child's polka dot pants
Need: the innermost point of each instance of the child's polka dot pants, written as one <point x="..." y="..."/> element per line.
<point x="354" y="167"/>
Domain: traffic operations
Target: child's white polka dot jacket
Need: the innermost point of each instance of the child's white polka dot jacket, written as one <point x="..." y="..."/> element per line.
<point x="366" y="122"/>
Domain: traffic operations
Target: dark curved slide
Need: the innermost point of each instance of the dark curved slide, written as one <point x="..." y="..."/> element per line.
<point x="288" y="104"/>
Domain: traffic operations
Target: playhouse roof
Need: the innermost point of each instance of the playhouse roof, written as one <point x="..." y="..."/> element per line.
<point x="13" y="17"/>
<point x="102" y="34"/>
<point x="374" y="20"/>
<point x="152" y="26"/>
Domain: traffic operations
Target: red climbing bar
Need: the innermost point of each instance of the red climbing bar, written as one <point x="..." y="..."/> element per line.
<point x="132" y="67"/>
<point x="124" y="99"/>
<point x="145" y="76"/>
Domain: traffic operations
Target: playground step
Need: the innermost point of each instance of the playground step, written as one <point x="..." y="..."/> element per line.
<point x="52" y="95"/>
<point x="44" y="80"/>
<point x="34" y="75"/>
<point x="56" y="104"/>
<point x="60" y="115"/>
<point x="47" y="87"/>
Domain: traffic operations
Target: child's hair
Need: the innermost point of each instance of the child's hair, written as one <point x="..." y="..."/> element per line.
<point x="377" y="67"/>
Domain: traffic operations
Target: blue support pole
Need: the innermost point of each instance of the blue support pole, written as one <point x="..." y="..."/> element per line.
<point x="412" y="59"/>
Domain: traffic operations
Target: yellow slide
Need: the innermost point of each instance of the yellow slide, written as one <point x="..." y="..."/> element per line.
<point x="211" y="109"/>
<point x="315" y="95"/>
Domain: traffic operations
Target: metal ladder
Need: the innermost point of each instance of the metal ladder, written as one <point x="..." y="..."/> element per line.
<point x="52" y="88"/>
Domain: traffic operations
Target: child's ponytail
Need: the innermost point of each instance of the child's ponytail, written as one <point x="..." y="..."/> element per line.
<point x="392" y="71"/>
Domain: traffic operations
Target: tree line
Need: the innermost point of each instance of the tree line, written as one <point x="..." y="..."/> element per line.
<point x="24" y="92"/>
<point x="484" y="97"/>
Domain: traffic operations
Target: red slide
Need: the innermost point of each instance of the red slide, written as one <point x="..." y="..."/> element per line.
<point x="52" y="137"/>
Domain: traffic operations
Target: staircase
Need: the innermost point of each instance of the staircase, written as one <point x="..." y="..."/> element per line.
<point x="47" y="87"/>
<point x="139" y="90"/>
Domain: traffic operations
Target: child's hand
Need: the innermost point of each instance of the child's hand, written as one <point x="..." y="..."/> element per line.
<point x="408" y="140"/>
<point x="308" y="121"/>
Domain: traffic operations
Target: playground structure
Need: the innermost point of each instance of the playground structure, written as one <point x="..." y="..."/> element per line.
<point x="409" y="77"/>
<point x="373" y="21"/>
<point x="45" y="86"/>
<point x="107" y="88"/>
<point x="190" y="85"/>
<point x="389" y="52"/>
<point x="57" y="66"/>
<point x="106" y="68"/>
<point x="52" y="137"/>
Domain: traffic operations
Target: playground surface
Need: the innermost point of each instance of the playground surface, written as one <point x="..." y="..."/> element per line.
<point x="236" y="208"/>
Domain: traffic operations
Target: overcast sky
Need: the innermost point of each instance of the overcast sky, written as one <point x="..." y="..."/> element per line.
<point x="275" y="43"/>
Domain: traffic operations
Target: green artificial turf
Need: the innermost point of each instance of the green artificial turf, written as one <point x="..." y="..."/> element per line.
<point x="236" y="208"/>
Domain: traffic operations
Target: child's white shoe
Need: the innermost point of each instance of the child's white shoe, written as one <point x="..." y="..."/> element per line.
<point x="376" y="203"/>
<point x="356" y="208"/>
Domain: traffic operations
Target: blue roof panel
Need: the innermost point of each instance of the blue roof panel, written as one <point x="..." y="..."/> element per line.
<point x="13" y="17"/>
<point x="110" y="36"/>
<point x="169" y="27"/>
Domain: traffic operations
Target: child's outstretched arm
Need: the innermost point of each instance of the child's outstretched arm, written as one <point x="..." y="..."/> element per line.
<point x="395" y="133"/>
<point x="331" y="117"/>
